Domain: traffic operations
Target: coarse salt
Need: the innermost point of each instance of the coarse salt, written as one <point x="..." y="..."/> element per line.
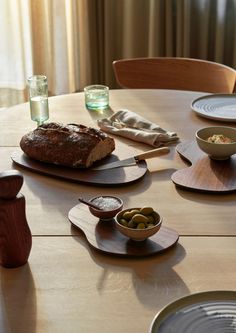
<point x="107" y="203"/>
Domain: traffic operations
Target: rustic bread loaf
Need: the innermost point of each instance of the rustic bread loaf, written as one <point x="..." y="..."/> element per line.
<point x="72" y="145"/>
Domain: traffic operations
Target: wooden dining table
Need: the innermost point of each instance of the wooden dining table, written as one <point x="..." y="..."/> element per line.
<point x="67" y="285"/>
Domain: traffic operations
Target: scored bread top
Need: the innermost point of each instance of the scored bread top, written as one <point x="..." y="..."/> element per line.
<point x="72" y="145"/>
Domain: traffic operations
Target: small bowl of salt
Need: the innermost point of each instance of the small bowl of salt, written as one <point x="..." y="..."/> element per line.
<point x="108" y="205"/>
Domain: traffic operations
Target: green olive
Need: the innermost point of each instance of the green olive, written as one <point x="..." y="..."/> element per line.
<point x="127" y="215"/>
<point x="142" y="218"/>
<point x="141" y="226"/>
<point x="133" y="212"/>
<point x="124" y="222"/>
<point x="146" y="210"/>
<point x="131" y="224"/>
<point x="139" y="218"/>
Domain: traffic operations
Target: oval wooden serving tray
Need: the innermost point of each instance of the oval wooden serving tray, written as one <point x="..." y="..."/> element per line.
<point x="117" y="176"/>
<point x="103" y="236"/>
<point x="205" y="174"/>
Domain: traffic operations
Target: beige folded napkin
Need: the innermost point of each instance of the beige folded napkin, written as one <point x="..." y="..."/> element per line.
<point x="132" y="126"/>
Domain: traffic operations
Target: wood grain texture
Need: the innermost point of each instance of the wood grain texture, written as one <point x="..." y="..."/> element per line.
<point x="11" y="182"/>
<point x="15" y="235"/>
<point x="104" y="236"/>
<point x="205" y="174"/>
<point x="188" y="212"/>
<point x="109" y="177"/>
<point x="172" y="106"/>
<point x="174" y="73"/>
<point x="67" y="287"/>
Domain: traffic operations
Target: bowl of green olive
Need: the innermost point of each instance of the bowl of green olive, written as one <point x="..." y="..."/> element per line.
<point x="138" y="223"/>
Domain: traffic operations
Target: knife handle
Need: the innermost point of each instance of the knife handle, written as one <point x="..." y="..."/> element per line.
<point x="152" y="153"/>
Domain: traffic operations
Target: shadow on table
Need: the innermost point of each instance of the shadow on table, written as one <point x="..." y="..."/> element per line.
<point x="53" y="192"/>
<point x="162" y="174"/>
<point x="18" y="306"/>
<point x="100" y="114"/>
<point x="207" y="198"/>
<point x="153" y="277"/>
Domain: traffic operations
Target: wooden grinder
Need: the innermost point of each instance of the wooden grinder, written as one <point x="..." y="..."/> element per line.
<point x="15" y="235"/>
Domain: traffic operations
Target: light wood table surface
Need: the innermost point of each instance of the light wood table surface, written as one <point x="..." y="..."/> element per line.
<point x="67" y="286"/>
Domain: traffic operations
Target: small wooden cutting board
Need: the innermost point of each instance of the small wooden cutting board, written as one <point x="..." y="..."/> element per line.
<point x="110" y="177"/>
<point x="205" y="174"/>
<point x="105" y="237"/>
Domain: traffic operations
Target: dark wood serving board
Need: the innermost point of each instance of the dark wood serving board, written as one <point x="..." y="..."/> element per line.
<point x="205" y="174"/>
<point x="117" y="176"/>
<point x="104" y="236"/>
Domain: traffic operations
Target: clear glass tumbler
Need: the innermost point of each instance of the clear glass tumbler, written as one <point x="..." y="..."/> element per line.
<point x="96" y="97"/>
<point x="38" y="97"/>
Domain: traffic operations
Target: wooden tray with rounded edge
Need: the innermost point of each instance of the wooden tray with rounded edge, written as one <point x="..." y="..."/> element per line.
<point x="103" y="236"/>
<point x="117" y="176"/>
<point x="205" y="174"/>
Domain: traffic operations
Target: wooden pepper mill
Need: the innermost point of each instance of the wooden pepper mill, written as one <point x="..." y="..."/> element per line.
<point x="15" y="234"/>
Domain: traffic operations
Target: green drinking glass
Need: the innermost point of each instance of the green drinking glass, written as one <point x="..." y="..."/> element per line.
<point x="38" y="98"/>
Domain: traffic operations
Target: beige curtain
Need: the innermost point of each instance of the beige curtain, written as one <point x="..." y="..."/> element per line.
<point x="38" y="37"/>
<point x="74" y="42"/>
<point x="55" y="43"/>
<point x="203" y="29"/>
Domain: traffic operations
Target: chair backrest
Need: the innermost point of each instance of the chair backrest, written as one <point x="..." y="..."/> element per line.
<point x="174" y="73"/>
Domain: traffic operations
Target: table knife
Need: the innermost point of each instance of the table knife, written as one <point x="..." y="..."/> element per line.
<point x="134" y="159"/>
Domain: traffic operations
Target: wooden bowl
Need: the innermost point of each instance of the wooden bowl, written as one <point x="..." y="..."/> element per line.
<point x="217" y="151"/>
<point x="138" y="234"/>
<point x="104" y="202"/>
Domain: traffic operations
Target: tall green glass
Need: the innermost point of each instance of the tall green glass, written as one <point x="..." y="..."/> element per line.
<point x="38" y="98"/>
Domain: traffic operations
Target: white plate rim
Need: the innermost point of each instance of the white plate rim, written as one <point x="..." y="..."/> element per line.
<point x="212" y="96"/>
<point x="185" y="301"/>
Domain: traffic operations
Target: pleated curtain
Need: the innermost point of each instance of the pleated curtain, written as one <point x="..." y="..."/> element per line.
<point x="74" y="42"/>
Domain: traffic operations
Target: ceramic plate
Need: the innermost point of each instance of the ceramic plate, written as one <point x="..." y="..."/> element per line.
<point x="213" y="311"/>
<point x="218" y="106"/>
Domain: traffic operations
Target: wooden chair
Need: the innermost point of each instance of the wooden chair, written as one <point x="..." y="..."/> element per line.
<point x="174" y="73"/>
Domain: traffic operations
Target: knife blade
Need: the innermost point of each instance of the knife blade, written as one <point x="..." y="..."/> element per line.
<point x="134" y="159"/>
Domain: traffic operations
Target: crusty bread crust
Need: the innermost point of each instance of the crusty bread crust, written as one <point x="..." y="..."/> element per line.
<point x="71" y="145"/>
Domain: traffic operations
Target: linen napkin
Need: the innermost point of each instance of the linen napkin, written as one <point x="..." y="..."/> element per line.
<point x="132" y="126"/>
